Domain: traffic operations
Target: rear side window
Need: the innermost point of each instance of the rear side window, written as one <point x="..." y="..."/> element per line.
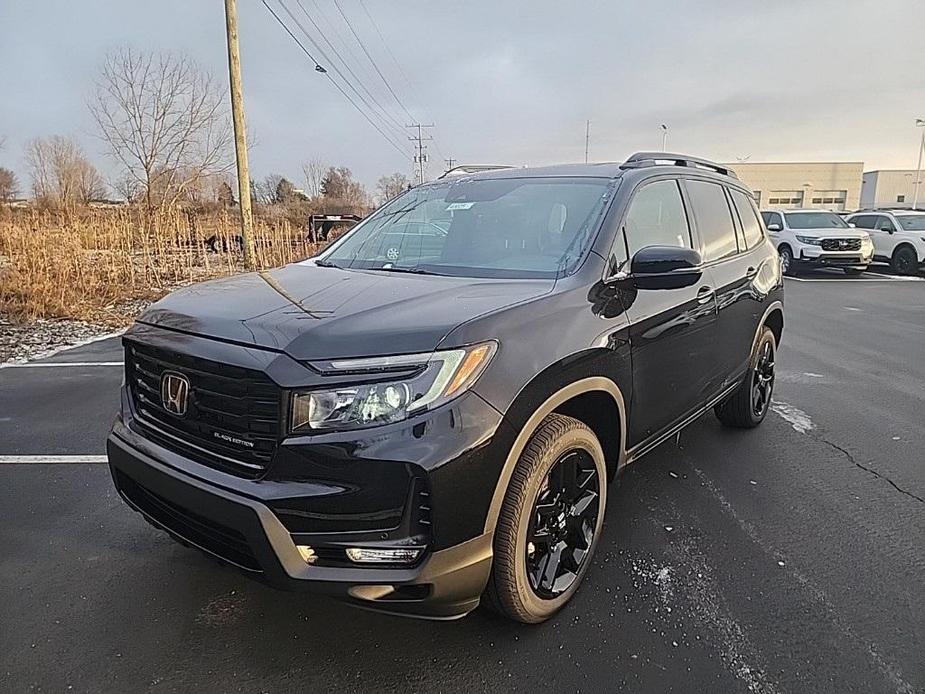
<point x="656" y="217"/>
<point x="714" y="219"/>
<point x="751" y="227"/>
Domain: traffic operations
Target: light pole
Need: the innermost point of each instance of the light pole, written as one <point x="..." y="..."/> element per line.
<point x="919" y="123"/>
<point x="664" y="137"/>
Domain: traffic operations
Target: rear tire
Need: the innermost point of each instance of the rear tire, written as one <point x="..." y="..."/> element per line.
<point x="749" y="403"/>
<point x="905" y="261"/>
<point x="538" y="522"/>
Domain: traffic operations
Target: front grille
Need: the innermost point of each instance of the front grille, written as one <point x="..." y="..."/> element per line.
<point x="206" y="534"/>
<point x="232" y="420"/>
<point x="841" y="244"/>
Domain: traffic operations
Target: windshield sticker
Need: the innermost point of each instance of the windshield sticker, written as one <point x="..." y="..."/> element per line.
<point x="459" y="206"/>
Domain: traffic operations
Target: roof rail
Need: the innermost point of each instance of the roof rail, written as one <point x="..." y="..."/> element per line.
<point x="641" y="160"/>
<point x="472" y="169"/>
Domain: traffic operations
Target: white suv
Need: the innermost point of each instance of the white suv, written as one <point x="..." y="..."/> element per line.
<point x="898" y="235"/>
<point x="817" y="237"/>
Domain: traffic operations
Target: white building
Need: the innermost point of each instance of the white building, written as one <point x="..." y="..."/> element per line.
<point x="826" y="185"/>
<point x="892" y="188"/>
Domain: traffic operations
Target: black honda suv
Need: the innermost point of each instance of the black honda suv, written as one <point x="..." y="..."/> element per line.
<point x="431" y="409"/>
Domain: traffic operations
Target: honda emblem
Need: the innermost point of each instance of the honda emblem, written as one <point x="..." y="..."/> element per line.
<point x="174" y="392"/>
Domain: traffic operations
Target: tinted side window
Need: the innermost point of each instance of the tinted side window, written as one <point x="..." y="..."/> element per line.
<point x="714" y="219"/>
<point x="656" y="218"/>
<point x="772" y="218"/>
<point x="864" y="221"/>
<point x="751" y="227"/>
<point x="885" y="224"/>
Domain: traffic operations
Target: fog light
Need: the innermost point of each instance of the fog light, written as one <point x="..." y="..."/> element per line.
<point x="366" y="555"/>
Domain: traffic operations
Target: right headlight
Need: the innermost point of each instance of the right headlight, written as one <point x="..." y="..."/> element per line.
<point x="811" y="240"/>
<point x="436" y="378"/>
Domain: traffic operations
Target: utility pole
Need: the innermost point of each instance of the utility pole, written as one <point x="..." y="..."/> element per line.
<point x="664" y="137"/>
<point x="919" y="123"/>
<point x="587" y="138"/>
<point x="421" y="157"/>
<point x="450" y="163"/>
<point x="240" y="137"/>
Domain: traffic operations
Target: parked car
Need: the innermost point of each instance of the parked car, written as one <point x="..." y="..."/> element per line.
<point x="898" y="237"/>
<point x="817" y="238"/>
<point x="411" y="431"/>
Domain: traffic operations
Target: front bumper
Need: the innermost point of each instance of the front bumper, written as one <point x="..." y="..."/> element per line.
<point x="243" y="531"/>
<point x="815" y="255"/>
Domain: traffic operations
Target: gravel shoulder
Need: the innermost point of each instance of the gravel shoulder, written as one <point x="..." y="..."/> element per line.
<point x="24" y="341"/>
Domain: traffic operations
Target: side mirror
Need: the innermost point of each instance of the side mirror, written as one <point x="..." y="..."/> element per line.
<point x="665" y="267"/>
<point x="774" y="227"/>
<point x="886" y="229"/>
<point x="852" y="225"/>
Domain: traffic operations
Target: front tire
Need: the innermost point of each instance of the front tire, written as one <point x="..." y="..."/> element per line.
<point x="787" y="264"/>
<point x="550" y="521"/>
<point x="749" y="403"/>
<point x="905" y="261"/>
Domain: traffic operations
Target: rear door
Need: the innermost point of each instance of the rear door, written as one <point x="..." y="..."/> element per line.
<point x="732" y="269"/>
<point x="672" y="331"/>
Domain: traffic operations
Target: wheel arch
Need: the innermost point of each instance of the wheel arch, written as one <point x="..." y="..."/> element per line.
<point x="590" y="400"/>
<point x="774" y="319"/>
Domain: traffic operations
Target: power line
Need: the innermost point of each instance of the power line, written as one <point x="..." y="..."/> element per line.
<point x="403" y="74"/>
<point x="372" y="62"/>
<point x="321" y="69"/>
<point x="384" y="113"/>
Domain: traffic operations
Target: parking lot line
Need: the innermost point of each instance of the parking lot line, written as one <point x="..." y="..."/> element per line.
<point x="856" y="280"/>
<point x="58" y="364"/>
<point x="56" y="459"/>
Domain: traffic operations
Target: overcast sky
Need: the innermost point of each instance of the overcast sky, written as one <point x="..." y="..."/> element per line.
<point x="508" y="82"/>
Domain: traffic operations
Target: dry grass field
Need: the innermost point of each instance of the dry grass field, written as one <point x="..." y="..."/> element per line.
<point x="99" y="265"/>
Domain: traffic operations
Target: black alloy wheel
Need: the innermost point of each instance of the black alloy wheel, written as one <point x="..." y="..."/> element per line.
<point x="550" y="521"/>
<point x="748" y="404"/>
<point x="562" y="524"/>
<point x="905" y="261"/>
<point x="763" y="380"/>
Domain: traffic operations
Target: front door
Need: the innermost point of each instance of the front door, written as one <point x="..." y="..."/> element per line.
<point x="672" y="331"/>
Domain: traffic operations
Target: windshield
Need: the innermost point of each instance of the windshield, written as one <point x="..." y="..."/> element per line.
<point x="815" y="220"/>
<point x="510" y="228"/>
<point x="911" y="222"/>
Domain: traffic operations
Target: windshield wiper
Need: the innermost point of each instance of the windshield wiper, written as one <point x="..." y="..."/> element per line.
<point x="416" y="270"/>
<point x="325" y="263"/>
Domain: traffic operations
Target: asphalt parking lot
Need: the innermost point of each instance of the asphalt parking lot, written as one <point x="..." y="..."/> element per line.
<point x="786" y="559"/>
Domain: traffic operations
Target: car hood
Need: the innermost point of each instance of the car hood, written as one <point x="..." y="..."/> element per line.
<point x="313" y="312"/>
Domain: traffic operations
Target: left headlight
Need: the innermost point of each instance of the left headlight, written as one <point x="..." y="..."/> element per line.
<point x="436" y="378"/>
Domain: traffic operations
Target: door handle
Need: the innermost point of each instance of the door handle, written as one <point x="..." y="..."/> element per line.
<point x="704" y="294"/>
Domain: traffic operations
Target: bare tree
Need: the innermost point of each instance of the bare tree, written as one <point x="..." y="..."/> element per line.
<point x="164" y="120"/>
<point x="390" y="186"/>
<point x="342" y="190"/>
<point x="314" y="171"/>
<point x="62" y="176"/>
<point x="9" y="186"/>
